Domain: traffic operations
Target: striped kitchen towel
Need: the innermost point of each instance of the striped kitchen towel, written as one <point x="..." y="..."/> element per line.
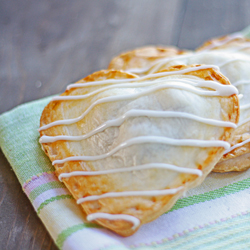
<point x="215" y="215"/>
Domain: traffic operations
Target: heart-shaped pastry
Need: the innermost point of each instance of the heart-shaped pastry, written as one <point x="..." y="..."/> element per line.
<point x="127" y="147"/>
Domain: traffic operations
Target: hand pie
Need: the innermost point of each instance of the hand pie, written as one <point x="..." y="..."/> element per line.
<point x="235" y="42"/>
<point x="143" y="57"/>
<point x="128" y="147"/>
<point x="235" y="66"/>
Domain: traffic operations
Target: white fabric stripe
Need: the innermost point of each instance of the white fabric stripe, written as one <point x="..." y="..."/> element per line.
<point x="167" y="225"/>
<point x="47" y="195"/>
<point x="92" y="239"/>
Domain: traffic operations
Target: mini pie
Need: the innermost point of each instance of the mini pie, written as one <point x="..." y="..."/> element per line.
<point x="231" y="54"/>
<point x="127" y="147"/>
<point x="143" y="57"/>
<point x="235" y="42"/>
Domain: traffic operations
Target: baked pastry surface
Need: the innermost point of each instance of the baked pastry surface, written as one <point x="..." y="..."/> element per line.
<point x="140" y="58"/>
<point x="235" y="42"/>
<point x="139" y="143"/>
<point x="231" y="54"/>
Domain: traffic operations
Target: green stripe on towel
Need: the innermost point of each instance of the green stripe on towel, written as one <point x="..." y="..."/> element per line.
<point x="211" y="195"/>
<point x="56" y="198"/>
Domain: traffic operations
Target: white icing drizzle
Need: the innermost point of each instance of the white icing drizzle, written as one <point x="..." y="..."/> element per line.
<point x="149" y="139"/>
<point x="227" y="39"/>
<point x="136" y="113"/>
<point x="134" y="168"/>
<point x="142" y="70"/>
<point x="149" y="76"/>
<point x="160" y="63"/>
<point x="240" y="96"/>
<point x="135" y="221"/>
<point x="241" y="82"/>
<point x="157" y="64"/>
<point x="243" y="122"/>
<point x="223" y="90"/>
<point x="246" y="106"/>
<point x="121" y="85"/>
<point x="130" y="193"/>
<point x="236" y="146"/>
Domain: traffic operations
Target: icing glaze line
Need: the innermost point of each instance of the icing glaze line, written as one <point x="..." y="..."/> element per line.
<point x="139" y="167"/>
<point x="136" y="113"/>
<point x="130" y="218"/>
<point x="155" y="75"/>
<point x="227" y="90"/>
<point x="149" y="139"/>
<point x="236" y="146"/>
<point x="246" y="106"/>
<point x="130" y="193"/>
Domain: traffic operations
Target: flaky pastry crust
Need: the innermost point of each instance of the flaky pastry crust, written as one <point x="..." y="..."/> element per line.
<point x="145" y="208"/>
<point x="227" y="42"/>
<point x="143" y="57"/>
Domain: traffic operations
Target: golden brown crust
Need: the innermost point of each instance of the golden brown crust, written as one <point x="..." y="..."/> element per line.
<point x="238" y="158"/>
<point x="143" y="57"/>
<point x="238" y="164"/>
<point x="223" y="43"/>
<point x="144" y="208"/>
